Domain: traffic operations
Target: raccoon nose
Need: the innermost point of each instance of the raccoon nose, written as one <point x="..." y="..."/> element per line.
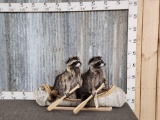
<point x="79" y="64"/>
<point x="102" y="64"/>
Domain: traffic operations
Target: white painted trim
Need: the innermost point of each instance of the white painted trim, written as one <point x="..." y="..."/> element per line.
<point x="131" y="5"/>
<point x="131" y="57"/>
<point x="9" y="95"/>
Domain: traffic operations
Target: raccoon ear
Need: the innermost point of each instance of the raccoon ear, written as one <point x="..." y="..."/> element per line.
<point x="91" y="60"/>
<point x="78" y="57"/>
<point x="68" y="60"/>
<point x="99" y="57"/>
<point x="70" y="56"/>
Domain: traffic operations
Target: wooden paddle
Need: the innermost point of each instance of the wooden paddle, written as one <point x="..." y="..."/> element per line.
<point x="80" y="106"/>
<point x="53" y="105"/>
<point x="47" y="88"/>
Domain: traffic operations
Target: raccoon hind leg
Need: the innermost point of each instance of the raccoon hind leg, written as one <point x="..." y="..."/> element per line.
<point x="52" y="95"/>
<point x="79" y="93"/>
<point x="84" y="97"/>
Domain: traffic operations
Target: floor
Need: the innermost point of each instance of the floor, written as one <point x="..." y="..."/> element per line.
<point x="30" y="110"/>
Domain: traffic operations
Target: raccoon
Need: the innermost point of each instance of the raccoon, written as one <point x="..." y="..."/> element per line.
<point x="94" y="77"/>
<point x="68" y="79"/>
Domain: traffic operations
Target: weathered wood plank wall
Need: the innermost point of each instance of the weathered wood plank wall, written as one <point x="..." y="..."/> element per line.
<point x="147" y="105"/>
<point x="35" y="46"/>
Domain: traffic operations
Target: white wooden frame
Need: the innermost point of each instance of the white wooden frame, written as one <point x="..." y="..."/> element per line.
<point x="131" y="5"/>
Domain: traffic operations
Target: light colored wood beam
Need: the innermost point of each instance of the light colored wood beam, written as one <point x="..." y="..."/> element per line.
<point x="149" y="59"/>
<point x="158" y="80"/>
<point x="138" y="59"/>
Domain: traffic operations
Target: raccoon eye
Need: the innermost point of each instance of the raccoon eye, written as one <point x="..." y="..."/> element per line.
<point x="100" y="61"/>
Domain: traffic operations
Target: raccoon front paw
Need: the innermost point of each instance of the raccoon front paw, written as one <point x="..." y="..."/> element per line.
<point x="80" y="83"/>
<point x="67" y="95"/>
<point x="105" y="81"/>
<point x="93" y="92"/>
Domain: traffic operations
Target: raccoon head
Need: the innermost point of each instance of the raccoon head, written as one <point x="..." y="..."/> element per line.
<point x="96" y="62"/>
<point x="74" y="62"/>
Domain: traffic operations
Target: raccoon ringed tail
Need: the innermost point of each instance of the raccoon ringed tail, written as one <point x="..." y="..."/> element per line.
<point x="52" y="95"/>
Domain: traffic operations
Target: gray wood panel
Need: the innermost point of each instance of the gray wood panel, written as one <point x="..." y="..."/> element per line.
<point x="35" y="46"/>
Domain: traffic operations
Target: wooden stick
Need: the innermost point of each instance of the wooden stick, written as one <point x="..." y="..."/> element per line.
<point x="47" y="88"/>
<point x="80" y="106"/>
<point x="54" y="104"/>
<point x="85" y="109"/>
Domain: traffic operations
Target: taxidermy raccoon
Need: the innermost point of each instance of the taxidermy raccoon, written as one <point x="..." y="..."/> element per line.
<point x="93" y="78"/>
<point x="68" y="80"/>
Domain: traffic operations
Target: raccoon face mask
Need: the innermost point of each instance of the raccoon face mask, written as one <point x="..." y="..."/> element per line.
<point x="96" y="62"/>
<point x="74" y="62"/>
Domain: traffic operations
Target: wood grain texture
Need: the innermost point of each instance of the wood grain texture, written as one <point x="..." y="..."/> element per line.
<point x="138" y="59"/>
<point x="35" y="46"/>
<point x="149" y="59"/>
<point x="158" y="80"/>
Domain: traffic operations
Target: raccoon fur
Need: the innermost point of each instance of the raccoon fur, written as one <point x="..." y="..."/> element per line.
<point x="68" y="79"/>
<point x="93" y="78"/>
